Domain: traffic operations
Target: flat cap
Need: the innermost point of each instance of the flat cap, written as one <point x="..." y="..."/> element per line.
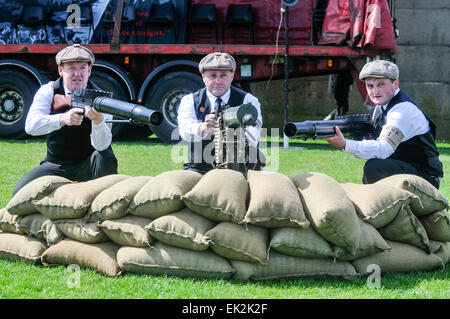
<point x="75" y="52"/>
<point x="379" y="69"/>
<point x="217" y="61"/>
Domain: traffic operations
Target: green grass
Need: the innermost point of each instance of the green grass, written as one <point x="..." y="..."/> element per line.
<point x="149" y="157"/>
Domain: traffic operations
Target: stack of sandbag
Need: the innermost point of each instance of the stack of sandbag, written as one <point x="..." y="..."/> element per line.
<point x="223" y="225"/>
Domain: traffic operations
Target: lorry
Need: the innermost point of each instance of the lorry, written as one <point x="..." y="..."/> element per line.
<point x="147" y="52"/>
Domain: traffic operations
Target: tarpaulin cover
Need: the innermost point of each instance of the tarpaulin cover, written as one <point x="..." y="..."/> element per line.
<point x="358" y="23"/>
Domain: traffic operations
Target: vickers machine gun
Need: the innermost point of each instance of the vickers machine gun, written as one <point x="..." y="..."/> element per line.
<point x="102" y="101"/>
<point x="231" y="145"/>
<point x="357" y="126"/>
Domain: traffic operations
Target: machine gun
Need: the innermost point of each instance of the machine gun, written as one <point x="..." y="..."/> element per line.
<point x="102" y="101"/>
<point x="358" y="126"/>
<point x="231" y="144"/>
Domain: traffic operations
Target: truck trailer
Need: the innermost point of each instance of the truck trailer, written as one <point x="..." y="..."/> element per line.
<point x="147" y="52"/>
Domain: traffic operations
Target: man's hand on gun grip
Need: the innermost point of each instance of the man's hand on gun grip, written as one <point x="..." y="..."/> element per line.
<point x="72" y="117"/>
<point x="337" y="140"/>
<point x="209" y="123"/>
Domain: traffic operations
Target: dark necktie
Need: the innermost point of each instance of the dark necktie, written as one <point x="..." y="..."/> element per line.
<point x="218" y="105"/>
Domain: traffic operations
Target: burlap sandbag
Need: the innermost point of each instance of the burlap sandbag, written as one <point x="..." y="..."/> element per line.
<point x="39" y="226"/>
<point x="127" y="231"/>
<point x="371" y="242"/>
<point x="437" y="225"/>
<point x="112" y="202"/>
<point x="183" y="229"/>
<point x="162" y="194"/>
<point x="80" y="229"/>
<point x="274" y="201"/>
<point x="441" y="249"/>
<point x="220" y="195"/>
<point x="8" y="222"/>
<point x="239" y="242"/>
<point x="100" y="257"/>
<point x="73" y="200"/>
<point x="162" y="259"/>
<point x="329" y="209"/>
<point x="378" y="204"/>
<point x="406" y="228"/>
<point x="21" y="248"/>
<point x="432" y="200"/>
<point x="401" y="258"/>
<point x="283" y="267"/>
<point x="299" y="242"/>
<point x="22" y="202"/>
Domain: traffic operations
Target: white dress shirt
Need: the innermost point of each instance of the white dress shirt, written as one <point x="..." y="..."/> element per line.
<point x="40" y="122"/>
<point x="404" y="116"/>
<point x="188" y="124"/>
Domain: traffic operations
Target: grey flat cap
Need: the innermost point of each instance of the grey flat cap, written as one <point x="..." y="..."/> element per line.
<point x="379" y="69"/>
<point x="217" y="61"/>
<point x="75" y="52"/>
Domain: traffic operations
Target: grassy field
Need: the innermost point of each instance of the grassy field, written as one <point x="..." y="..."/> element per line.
<point x="149" y="157"/>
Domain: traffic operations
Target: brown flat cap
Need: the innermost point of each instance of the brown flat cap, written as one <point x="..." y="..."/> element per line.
<point x="75" y="52"/>
<point x="217" y="61"/>
<point x="379" y="69"/>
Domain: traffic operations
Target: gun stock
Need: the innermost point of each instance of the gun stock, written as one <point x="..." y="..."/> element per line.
<point x="358" y="126"/>
<point x="60" y="101"/>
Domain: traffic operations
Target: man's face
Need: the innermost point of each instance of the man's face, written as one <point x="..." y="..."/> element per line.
<point x="381" y="90"/>
<point x="75" y="74"/>
<point x="217" y="82"/>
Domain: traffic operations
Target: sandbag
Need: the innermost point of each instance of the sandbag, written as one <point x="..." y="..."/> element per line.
<point x="441" y="249"/>
<point x="73" y="200"/>
<point x="100" y="257"/>
<point x="299" y="242"/>
<point x="282" y="267"/>
<point x="162" y="194"/>
<point x="8" y="222"/>
<point x="406" y="228"/>
<point x="39" y="226"/>
<point x="431" y="198"/>
<point x="112" y="202"/>
<point x="21" y="248"/>
<point x="22" y="202"/>
<point x="401" y="258"/>
<point x="370" y="242"/>
<point x="329" y="209"/>
<point x="378" y="204"/>
<point x="162" y="259"/>
<point x="220" y="195"/>
<point x="183" y="229"/>
<point x="437" y="225"/>
<point x="127" y="231"/>
<point x="82" y="230"/>
<point x="239" y="242"/>
<point x="274" y="201"/>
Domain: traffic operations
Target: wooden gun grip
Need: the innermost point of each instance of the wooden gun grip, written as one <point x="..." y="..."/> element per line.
<point x="60" y="101"/>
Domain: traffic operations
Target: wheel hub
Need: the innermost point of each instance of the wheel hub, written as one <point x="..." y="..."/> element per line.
<point x="11" y="106"/>
<point x="171" y="102"/>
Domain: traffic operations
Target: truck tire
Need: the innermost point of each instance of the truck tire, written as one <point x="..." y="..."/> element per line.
<point x="16" y="95"/>
<point x="165" y="96"/>
<point x="110" y="84"/>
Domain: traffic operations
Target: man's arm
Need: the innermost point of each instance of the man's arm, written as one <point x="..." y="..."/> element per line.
<point x="39" y="120"/>
<point x="101" y="135"/>
<point x="188" y="125"/>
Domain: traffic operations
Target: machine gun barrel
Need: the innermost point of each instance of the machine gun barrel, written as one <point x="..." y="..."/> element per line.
<point x="356" y="125"/>
<point x="135" y="112"/>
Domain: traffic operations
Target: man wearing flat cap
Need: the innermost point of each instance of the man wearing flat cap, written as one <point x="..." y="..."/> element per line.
<point x="78" y="141"/>
<point x="197" y="114"/>
<point x="405" y="141"/>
